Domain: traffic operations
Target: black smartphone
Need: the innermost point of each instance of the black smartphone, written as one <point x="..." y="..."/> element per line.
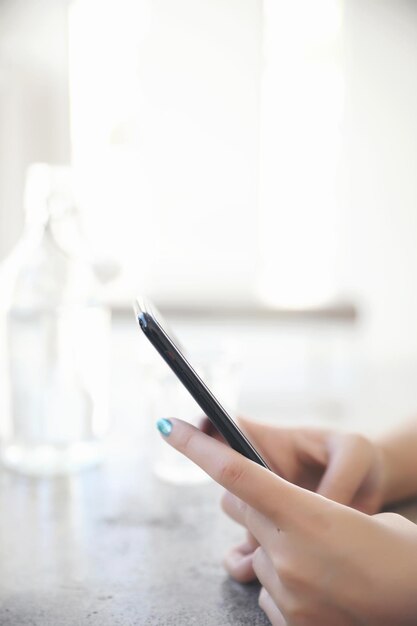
<point x="150" y="321"/>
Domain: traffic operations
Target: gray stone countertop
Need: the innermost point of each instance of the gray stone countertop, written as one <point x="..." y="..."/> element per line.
<point x="116" y="546"/>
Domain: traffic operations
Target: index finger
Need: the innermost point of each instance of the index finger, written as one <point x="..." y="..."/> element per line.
<point x="286" y="504"/>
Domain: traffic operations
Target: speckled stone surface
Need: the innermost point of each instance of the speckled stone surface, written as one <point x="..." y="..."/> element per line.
<point x="115" y="546"/>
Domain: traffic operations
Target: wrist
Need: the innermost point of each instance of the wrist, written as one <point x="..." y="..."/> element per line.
<point x="399" y="468"/>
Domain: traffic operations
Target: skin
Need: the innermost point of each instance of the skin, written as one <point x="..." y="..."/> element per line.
<point x="315" y="540"/>
<point x="343" y="467"/>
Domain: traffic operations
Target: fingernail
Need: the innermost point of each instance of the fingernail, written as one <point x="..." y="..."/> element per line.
<point x="164" y="426"/>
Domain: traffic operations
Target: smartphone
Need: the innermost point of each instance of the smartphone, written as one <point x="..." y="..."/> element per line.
<point x="158" y="333"/>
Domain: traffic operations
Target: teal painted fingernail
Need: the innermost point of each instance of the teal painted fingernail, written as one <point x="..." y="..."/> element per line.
<point x="164" y="426"/>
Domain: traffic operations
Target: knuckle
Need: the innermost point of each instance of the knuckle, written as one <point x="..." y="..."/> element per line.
<point x="258" y="559"/>
<point x="231" y="505"/>
<point x="263" y="597"/>
<point x="231" y="473"/>
<point x="295" y="610"/>
<point x="357" y="438"/>
<point x="319" y="522"/>
<point x="250" y="514"/>
<point x="360" y="442"/>
<point x="288" y="573"/>
<point x="297" y="614"/>
<point x="224" y="501"/>
<point x="389" y="517"/>
<point x="276" y="560"/>
<point x="275" y="511"/>
<point x="243" y="508"/>
<point x="227" y="502"/>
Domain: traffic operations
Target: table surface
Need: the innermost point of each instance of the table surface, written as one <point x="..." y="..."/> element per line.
<point x="117" y="546"/>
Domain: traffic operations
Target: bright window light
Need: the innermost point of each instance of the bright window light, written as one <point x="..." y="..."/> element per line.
<point x="301" y="116"/>
<point x="176" y="109"/>
<point x="105" y="41"/>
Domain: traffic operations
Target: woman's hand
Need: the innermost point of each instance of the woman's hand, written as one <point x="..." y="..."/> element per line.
<point x="319" y="562"/>
<point x="343" y="467"/>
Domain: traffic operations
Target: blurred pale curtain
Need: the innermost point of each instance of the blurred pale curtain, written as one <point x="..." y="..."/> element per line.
<point x="227" y="151"/>
<point x="34" y="100"/>
<point x="189" y="104"/>
<point x="303" y="85"/>
<point x="182" y="117"/>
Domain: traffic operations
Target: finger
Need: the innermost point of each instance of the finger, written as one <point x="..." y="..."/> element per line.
<point x="233" y="507"/>
<point x="238" y="563"/>
<point x="259" y="434"/>
<point x="286" y="504"/>
<point x="349" y="463"/>
<point x="395" y="520"/>
<point x="254" y="430"/>
<point x="239" y="566"/>
<point x="271" y="582"/>
<point x="266" y="573"/>
<point x="207" y="427"/>
<point x="274" y="444"/>
<point x="260" y="527"/>
<point x="248" y="427"/>
<point x="249" y="545"/>
<point x="270" y="608"/>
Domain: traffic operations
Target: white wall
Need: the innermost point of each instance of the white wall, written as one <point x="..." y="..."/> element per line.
<point x="379" y="261"/>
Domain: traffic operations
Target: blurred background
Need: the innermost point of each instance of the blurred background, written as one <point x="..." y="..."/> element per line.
<point x="248" y="164"/>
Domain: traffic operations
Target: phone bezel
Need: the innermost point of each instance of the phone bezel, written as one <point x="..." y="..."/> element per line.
<point x="153" y="327"/>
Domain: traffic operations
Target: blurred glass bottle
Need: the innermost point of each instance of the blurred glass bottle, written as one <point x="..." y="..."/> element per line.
<point x="57" y="337"/>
